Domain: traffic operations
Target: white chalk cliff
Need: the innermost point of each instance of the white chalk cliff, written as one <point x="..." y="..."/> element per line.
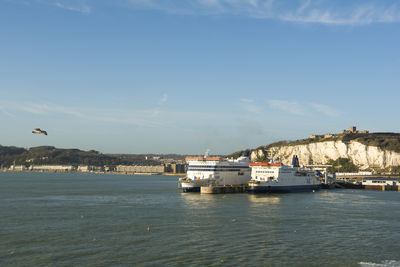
<point x="363" y="156"/>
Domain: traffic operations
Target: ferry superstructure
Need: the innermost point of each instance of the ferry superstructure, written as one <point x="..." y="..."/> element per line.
<point x="203" y="171"/>
<point x="277" y="177"/>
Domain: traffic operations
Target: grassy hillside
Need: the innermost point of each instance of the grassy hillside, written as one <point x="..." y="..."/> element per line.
<point x="43" y="155"/>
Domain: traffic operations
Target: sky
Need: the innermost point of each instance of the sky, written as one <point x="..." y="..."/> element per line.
<point x="184" y="76"/>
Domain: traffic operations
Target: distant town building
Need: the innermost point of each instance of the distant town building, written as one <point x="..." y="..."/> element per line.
<point x="140" y="169"/>
<point x="175" y="168"/>
<point x="109" y="168"/>
<point x="83" y="168"/>
<point x="18" y="168"/>
<point x="52" y="168"/>
<point x="86" y="168"/>
<point x="315" y="136"/>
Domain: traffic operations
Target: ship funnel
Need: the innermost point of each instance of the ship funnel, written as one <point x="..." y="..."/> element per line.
<point x="272" y="157"/>
<point x="295" y="161"/>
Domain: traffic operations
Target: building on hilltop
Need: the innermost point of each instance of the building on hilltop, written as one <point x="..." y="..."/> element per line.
<point x="315" y="136"/>
<point x="353" y="130"/>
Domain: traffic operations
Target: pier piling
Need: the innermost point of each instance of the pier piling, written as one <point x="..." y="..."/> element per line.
<point x="224" y="189"/>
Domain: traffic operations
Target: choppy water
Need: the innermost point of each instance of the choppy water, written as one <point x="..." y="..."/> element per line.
<point x="102" y="220"/>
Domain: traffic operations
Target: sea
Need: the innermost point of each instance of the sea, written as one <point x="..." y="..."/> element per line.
<point x="50" y="219"/>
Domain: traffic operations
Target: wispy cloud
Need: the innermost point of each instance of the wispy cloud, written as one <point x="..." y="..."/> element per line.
<point x="301" y="11"/>
<point x="128" y="119"/>
<point x="169" y="6"/>
<point x="326" y="110"/>
<point x="81" y="8"/>
<point x="287" y="106"/>
<point x="298" y="108"/>
<point x="327" y="12"/>
<point x="250" y="105"/>
<point x="246" y="100"/>
<point x="164" y="99"/>
<point x="123" y="117"/>
<point x="5" y="112"/>
<point x="47" y="109"/>
<point x="363" y="14"/>
<point x="156" y="111"/>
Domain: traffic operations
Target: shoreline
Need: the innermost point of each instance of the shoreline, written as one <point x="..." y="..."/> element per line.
<point x="120" y="173"/>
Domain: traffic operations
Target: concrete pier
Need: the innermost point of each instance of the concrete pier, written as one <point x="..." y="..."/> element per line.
<point x="328" y="186"/>
<point x="344" y="185"/>
<point x="382" y="187"/>
<point x="224" y="189"/>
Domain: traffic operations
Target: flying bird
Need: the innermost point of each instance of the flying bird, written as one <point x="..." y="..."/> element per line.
<point x="38" y="131"/>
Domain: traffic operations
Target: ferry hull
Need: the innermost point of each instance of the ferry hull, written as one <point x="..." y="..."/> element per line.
<point x="190" y="189"/>
<point x="283" y="189"/>
<point x="191" y="185"/>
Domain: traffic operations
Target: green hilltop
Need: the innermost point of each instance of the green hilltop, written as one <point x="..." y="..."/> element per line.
<point x="49" y="155"/>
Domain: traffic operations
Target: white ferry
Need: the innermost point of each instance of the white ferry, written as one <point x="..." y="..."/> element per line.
<point x="276" y="177"/>
<point x="203" y="171"/>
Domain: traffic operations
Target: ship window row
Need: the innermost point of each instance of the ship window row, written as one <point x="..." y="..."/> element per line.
<point x="219" y="170"/>
<point x="265" y="172"/>
<point x="214" y="166"/>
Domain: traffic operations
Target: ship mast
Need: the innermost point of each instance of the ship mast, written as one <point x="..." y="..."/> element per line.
<point x="207" y="153"/>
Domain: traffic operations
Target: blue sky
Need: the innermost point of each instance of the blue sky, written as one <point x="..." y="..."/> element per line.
<point x="168" y="76"/>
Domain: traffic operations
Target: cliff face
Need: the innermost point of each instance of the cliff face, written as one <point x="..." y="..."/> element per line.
<point x="362" y="155"/>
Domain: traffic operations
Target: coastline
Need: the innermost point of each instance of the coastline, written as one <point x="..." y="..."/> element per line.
<point x="120" y="173"/>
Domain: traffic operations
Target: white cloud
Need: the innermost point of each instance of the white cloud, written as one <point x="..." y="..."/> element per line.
<point x="246" y="100"/>
<point x="360" y="15"/>
<point x="47" y="109"/>
<point x="287" y="106"/>
<point x="326" y="110"/>
<point x="303" y="11"/>
<point x="164" y="99"/>
<point x="327" y="12"/>
<point x="250" y="106"/>
<point x="156" y="112"/>
<point x="127" y="119"/>
<point x="169" y="6"/>
<point x="82" y="8"/>
<point x="123" y="117"/>
<point x="5" y="112"/>
<point x="298" y="108"/>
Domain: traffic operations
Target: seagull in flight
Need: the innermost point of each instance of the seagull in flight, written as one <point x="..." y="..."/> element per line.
<point x="38" y="131"/>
